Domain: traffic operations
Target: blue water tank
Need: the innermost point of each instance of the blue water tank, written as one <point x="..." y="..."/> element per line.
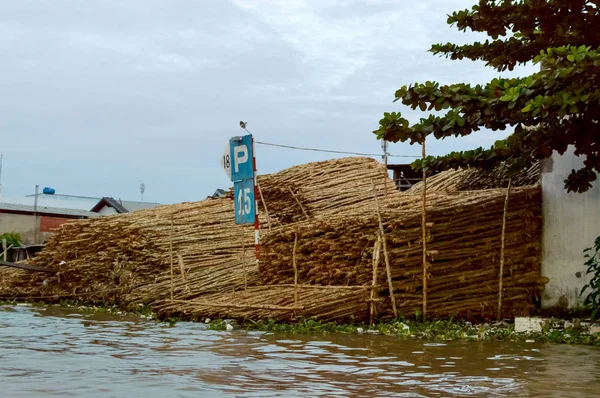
<point x="49" y="191"/>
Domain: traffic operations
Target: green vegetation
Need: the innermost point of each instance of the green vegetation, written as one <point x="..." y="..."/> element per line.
<point x="549" y="110"/>
<point x="437" y="330"/>
<point x="12" y="239"/>
<point x="440" y="330"/>
<point x="141" y="310"/>
<point x="592" y="300"/>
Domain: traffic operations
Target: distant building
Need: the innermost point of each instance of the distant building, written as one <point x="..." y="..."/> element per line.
<point x="219" y="193"/>
<point x="107" y="206"/>
<point x="35" y="222"/>
<point x="35" y="225"/>
<point x="404" y="176"/>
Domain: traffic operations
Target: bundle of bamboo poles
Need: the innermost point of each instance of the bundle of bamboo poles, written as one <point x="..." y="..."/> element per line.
<point x="193" y="259"/>
<point x="187" y="250"/>
<point x="339" y="303"/>
<point x="463" y="243"/>
<point x="472" y="179"/>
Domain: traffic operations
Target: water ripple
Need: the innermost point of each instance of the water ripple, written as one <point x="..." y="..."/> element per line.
<point x="50" y="352"/>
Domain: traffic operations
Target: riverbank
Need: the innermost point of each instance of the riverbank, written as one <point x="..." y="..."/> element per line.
<point x="554" y="330"/>
<point x="558" y="331"/>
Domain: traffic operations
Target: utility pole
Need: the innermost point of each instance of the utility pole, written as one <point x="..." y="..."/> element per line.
<point x="384" y="146"/>
<point x="1" y="159"/>
<point x="36" y="225"/>
<point x="142" y="189"/>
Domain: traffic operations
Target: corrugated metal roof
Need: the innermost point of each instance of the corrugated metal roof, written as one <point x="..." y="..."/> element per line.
<point x="53" y="201"/>
<point x="47" y="210"/>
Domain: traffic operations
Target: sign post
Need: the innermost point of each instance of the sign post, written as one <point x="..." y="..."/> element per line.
<point x="239" y="164"/>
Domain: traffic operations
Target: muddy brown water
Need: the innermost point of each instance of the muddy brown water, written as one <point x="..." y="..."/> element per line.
<point x="57" y="352"/>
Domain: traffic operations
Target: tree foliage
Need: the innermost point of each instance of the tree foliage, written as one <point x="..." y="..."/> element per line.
<point x="547" y="111"/>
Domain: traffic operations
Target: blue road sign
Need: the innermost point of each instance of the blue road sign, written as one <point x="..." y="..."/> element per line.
<point x="241" y="156"/>
<point x="245" y="205"/>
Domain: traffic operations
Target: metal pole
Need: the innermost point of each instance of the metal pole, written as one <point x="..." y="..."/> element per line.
<point x="1" y="160"/>
<point x="35" y="215"/>
<point x="256" y="196"/>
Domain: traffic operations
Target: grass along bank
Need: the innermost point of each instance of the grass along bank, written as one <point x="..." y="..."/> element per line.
<point x="141" y="310"/>
<point x="555" y="331"/>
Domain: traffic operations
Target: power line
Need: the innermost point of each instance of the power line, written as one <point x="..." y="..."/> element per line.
<point x="331" y="151"/>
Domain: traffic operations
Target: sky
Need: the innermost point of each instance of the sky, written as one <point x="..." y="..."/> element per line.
<point x="99" y="96"/>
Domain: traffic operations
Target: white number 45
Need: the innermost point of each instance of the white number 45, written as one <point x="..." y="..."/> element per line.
<point x="244" y="201"/>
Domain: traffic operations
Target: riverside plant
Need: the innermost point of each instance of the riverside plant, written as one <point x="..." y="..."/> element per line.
<point x="141" y="310"/>
<point x="437" y="330"/>
<point x="592" y="300"/>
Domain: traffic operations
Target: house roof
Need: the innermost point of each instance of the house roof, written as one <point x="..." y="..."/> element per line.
<point x="122" y="206"/>
<point x="55" y="211"/>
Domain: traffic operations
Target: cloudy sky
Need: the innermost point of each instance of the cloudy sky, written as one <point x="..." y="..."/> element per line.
<point x="100" y="95"/>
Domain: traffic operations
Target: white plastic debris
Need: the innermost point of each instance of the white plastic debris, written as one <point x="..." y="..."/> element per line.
<point x="207" y="320"/>
<point x="527" y="324"/>
<point x="360" y="330"/>
<point x="62" y="262"/>
<point x="229" y="327"/>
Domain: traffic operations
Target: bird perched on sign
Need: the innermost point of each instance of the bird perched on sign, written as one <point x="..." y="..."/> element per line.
<point x="243" y="125"/>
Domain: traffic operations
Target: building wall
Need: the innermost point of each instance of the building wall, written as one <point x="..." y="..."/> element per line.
<point x="50" y="224"/>
<point x="107" y="211"/>
<point x="571" y="224"/>
<point x="26" y="224"/>
<point x="23" y="224"/>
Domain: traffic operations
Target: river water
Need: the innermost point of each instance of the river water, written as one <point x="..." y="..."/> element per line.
<point x="58" y="352"/>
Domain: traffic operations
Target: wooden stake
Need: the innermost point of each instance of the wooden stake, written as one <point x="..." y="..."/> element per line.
<point x="502" y="245"/>
<point x="171" y="254"/>
<point x="244" y="262"/>
<point x="300" y="204"/>
<point x="262" y="198"/>
<point x="4" y="249"/>
<point x="424" y="235"/>
<point x="385" y="253"/>
<point x="295" y="270"/>
<point x="376" y="257"/>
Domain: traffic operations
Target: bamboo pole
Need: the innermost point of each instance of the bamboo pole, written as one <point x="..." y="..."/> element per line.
<point x="385" y="253"/>
<point x="502" y="246"/>
<point x="171" y="254"/>
<point x="244" y="262"/>
<point x="5" y="249"/>
<point x="262" y="198"/>
<point x="243" y="306"/>
<point x="321" y="287"/>
<point x="295" y="270"/>
<point x="424" y="234"/>
<point x="300" y="204"/>
<point x="376" y="253"/>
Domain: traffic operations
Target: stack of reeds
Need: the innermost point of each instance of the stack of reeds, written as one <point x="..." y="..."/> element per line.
<point x="193" y="259"/>
<point x="339" y="303"/>
<point x="472" y="179"/>
<point x="187" y="250"/>
<point x="463" y="241"/>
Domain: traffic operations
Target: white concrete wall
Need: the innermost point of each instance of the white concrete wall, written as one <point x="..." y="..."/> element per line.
<point x="571" y="224"/>
<point x="107" y="211"/>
